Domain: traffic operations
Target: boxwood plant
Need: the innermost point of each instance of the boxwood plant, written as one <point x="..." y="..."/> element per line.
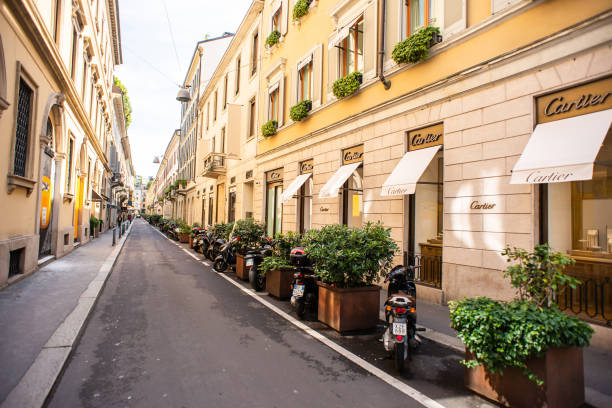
<point x="300" y="110"/>
<point x="347" y="85"/>
<point x="269" y="128"/>
<point x="273" y="38"/>
<point x="300" y="9"/>
<point x="416" y="47"/>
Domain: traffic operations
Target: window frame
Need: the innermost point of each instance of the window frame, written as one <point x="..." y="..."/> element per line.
<point x="254" y="52"/>
<point x="225" y="89"/>
<point x="237" y="84"/>
<point x="252" y="129"/>
<point x="69" y="160"/>
<point x="300" y="82"/>
<point x="275" y="20"/>
<point x="344" y="46"/>
<point x="274" y="103"/>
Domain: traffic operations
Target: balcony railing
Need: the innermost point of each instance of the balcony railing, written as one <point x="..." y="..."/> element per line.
<point x="430" y="271"/>
<point x="215" y="165"/>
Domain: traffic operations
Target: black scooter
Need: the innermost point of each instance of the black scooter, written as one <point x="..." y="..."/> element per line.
<point x="253" y="259"/>
<point x="305" y="295"/>
<point x="226" y="257"/>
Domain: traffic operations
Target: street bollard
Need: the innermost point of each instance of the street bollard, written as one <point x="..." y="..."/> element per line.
<point x="114" y="236"/>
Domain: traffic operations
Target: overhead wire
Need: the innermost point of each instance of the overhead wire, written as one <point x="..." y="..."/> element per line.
<point x="178" y="60"/>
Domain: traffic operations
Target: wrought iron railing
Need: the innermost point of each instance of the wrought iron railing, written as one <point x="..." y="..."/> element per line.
<point x="214" y="161"/>
<point x="430" y="268"/>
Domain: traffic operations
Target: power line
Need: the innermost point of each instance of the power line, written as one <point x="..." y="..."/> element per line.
<point x="151" y="65"/>
<point x="178" y="63"/>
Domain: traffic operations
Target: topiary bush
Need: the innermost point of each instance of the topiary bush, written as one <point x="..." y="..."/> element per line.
<point x="269" y="128"/>
<point x="350" y="257"/>
<point x="300" y="9"/>
<point x="347" y="85"/>
<point x="300" y="110"/>
<point x="273" y="38"/>
<point x="416" y="47"/>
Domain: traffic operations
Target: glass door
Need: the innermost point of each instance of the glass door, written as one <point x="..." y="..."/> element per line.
<point x="274" y="210"/>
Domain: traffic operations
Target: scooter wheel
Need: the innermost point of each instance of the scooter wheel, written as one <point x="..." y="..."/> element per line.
<point x="208" y="254"/>
<point x="300" y="310"/>
<point x="220" y="266"/>
<point x="399" y="357"/>
<point x="260" y="282"/>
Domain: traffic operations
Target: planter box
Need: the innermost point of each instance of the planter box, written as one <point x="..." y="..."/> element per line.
<point x="184" y="238"/>
<point x="278" y="282"/>
<point x="561" y="370"/>
<point x="242" y="271"/>
<point x="348" y="309"/>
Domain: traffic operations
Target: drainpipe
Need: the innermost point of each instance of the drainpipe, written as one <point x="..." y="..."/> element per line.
<point x="381" y="46"/>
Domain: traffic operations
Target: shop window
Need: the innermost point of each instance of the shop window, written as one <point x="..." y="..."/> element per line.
<point x="305" y="206"/>
<point x="305" y="82"/>
<point x="350" y="50"/>
<point x="352" y="199"/>
<point x="274" y="207"/>
<point x="273" y="104"/>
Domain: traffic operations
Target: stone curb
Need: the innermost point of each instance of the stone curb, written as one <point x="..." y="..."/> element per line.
<point x="36" y="384"/>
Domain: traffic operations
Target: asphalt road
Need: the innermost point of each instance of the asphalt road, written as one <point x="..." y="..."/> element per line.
<point x="169" y="332"/>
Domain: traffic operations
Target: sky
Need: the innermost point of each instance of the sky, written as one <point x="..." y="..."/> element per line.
<point x="151" y="71"/>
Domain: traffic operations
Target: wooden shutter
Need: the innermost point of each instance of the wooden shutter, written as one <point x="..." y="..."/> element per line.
<point x="454" y="18"/>
<point x="369" y="41"/>
<point x="317" y="75"/>
<point x="332" y="67"/>
<point x="293" y="94"/>
<point x="284" y="16"/>
<point x="499" y="5"/>
<point x="281" y="101"/>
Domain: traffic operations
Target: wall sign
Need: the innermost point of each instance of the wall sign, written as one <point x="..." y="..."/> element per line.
<point x="324" y="209"/>
<point x="426" y="137"/>
<point x="306" y="166"/>
<point x="274" y="176"/>
<point x="587" y="98"/>
<point x="477" y="205"/>
<point x="352" y="155"/>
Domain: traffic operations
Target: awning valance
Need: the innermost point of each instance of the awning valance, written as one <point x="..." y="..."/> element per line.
<point x="330" y="189"/>
<point x="563" y="150"/>
<point x="294" y="187"/>
<point x="408" y="171"/>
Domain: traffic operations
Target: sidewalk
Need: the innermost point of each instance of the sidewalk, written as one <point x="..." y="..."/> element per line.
<point x="597" y="362"/>
<point x="42" y="315"/>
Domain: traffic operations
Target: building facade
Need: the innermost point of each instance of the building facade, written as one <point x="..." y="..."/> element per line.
<point x="56" y="72"/>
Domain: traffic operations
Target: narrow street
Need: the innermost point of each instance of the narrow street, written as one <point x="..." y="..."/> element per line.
<point x="169" y="332"/>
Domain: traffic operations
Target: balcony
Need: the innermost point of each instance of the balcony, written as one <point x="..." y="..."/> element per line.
<point x="117" y="180"/>
<point x="215" y="165"/>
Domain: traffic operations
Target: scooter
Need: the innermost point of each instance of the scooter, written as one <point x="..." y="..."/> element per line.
<point x="226" y="257"/>
<point x="215" y="243"/>
<point x="400" y="336"/>
<point x="253" y="259"/>
<point x="305" y="295"/>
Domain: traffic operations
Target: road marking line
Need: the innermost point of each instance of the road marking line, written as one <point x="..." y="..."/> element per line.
<point x="389" y="379"/>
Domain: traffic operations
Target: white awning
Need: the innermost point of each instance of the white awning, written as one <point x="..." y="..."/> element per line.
<point x="294" y="187"/>
<point x="343" y="33"/>
<point x="408" y="171"/>
<point x="330" y="189"/>
<point x="563" y="150"/>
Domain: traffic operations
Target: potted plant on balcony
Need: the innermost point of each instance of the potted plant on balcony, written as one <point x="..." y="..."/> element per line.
<point x="525" y="352"/>
<point x="273" y="38"/>
<point x="300" y="110"/>
<point x="248" y="233"/>
<point x="416" y="47"/>
<point x="347" y="85"/>
<point x="180" y="183"/>
<point x="277" y="268"/>
<point x="300" y="9"/>
<point x="269" y="128"/>
<point x="348" y="261"/>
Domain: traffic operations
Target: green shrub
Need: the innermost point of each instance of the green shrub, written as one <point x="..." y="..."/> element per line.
<point x="273" y="38"/>
<point x="300" y="9"/>
<point x="416" y="47"/>
<point x="269" y="128"/>
<point x="271" y="263"/>
<point x="249" y="232"/>
<point x="284" y="242"/>
<point x="350" y="257"/>
<point x="223" y="230"/>
<point x="180" y="182"/>
<point x="185" y="228"/>
<point x="300" y="110"/>
<point x="347" y="85"/>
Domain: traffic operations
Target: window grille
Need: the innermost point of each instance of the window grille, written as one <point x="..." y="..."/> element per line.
<point x="23" y="128"/>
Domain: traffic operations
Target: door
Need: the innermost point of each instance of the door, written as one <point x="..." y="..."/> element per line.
<point x="46" y="201"/>
<point x="77" y="206"/>
<point x="274" y="209"/>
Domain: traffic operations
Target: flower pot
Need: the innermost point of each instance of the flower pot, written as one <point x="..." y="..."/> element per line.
<point x="278" y="282"/>
<point x="435" y="39"/>
<point x="183" y="238"/>
<point x="242" y="271"/>
<point x="348" y="309"/>
<point x="561" y="369"/>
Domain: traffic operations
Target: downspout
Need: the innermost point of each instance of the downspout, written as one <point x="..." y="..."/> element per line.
<point x="381" y="46"/>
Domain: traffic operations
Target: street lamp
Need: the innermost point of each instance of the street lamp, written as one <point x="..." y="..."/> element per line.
<point x="183" y="94"/>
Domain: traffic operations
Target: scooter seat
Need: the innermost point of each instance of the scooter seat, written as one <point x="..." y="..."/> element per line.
<point x="400" y="300"/>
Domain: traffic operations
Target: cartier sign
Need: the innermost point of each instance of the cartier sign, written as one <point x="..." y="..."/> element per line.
<point x="426" y="137"/>
<point x="274" y="176"/>
<point x="588" y="98"/>
<point x="352" y="155"/>
<point x="306" y="166"/>
<point x="477" y="205"/>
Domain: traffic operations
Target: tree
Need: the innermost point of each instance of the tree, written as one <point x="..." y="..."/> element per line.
<point x="127" y="106"/>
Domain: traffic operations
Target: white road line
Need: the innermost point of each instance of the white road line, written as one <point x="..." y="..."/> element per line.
<point x="389" y="379"/>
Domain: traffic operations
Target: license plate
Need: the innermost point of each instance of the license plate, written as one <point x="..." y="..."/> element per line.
<point x="399" y="329"/>
<point x="298" y="290"/>
<point x="249" y="262"/>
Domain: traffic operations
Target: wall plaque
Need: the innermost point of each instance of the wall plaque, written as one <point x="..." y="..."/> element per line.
<point x="426" y="137"/>
<point x="274" y="176"/>
<point x="306" y="166"/>
<point x="352" y="155"/>
<point x="587" y="98"/>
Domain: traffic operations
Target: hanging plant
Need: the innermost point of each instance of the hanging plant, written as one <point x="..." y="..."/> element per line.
<point x="300" y="9"/>
<point x="269" y="128"/>
<point x="273" y="38"/>
<point x="416" y="47"/>
<point x="347" y="85"/>
<point x="300" y="110"/>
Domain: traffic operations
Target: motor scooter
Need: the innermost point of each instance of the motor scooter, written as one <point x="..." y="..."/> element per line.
<point x="215" y="243"/>
<point x="226" y="257"/>
<point x="252" y="261"/>
<point x="400" y="336"/>
<point x="305" y="294"/>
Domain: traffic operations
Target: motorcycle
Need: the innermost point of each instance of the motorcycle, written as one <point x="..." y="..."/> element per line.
<point x="226" y="257"/>
<point x="305" y="295"/>
<point x="253" y="259"/>
<point x="215" y="242"/>
<point x="400" y="336"/>
<point x="173" y="231"/>
<point x="198" y="239"/>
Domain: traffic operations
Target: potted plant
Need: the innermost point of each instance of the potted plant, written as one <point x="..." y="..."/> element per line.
<point x="347" y="85"/>
<point x="273" y="38"/>
<point x="269" y="128"/>
<point x="348" y="261"/>
<point x="93" y="226"/>
<point x="525" y="352"/>
<point x="180" y="182"/>
<point x="416" y="47"/>
<point x="277" y="268"/>
<point x="248" y="234"/>
<point x="300" y="110"/>
<point x="300" y="9"/>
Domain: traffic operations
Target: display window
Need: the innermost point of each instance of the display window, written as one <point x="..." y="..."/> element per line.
<point x="274" y="206"/>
